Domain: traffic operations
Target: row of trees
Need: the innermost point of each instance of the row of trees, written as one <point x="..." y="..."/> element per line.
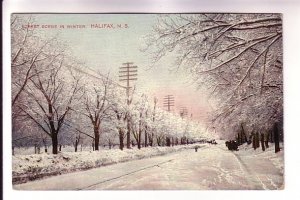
<point x="260" y="138"/>
<point x="54" y="97"/>
<point x="236" y="59"/>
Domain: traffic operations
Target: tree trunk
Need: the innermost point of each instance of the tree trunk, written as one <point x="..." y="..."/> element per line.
<point x="139" y="139"/>
<point x="76" y="144"/>
<point x="54" y="143"/>
<point x="128" y="134"/>
<point x="271" y="136"/>
<point x="241" y="138"/>
<point x="158" y="140"/>
<point x="254" y="141"/>
<point x="45" y="145"/>
<point x="243" y="134"/>
<point x="262" y="141"/>
<point x="146" y="138"/>
<point x="267" y="140"/>
<point x="182" y="140"/>
<point x="276" y="137"/>
<point x="151" y="140"/>
<point x="168" y="141"/>
<point x="128" y="140"/>
<point x="139" y="136"/>
<point x="266" y="144"/>
<point x="97" y="137"/>
<point x="121" y="139"/>
<point x="257" y="140"/>
<point x="109" y="144"/>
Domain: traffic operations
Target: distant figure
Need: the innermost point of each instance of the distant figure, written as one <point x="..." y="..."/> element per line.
<point x="213" y="141"/>
<point x="232" y="145"/>
<point x="196" y="148"/>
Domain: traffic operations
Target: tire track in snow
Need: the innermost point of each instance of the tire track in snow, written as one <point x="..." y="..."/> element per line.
<point x="251" y="177"/>
<point x="123" y="175"/>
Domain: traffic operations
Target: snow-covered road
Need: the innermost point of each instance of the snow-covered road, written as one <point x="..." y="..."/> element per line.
<point x="212" y="167"/>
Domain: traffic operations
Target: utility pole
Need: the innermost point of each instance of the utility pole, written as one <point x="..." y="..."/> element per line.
<point x="183" y="112"/>
<point x="169" y="102"/>
<point x="128" y="73"/>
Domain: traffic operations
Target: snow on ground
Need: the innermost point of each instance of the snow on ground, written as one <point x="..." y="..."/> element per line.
<point x="277" y="159"/>
<point x="213" y="167"/>
<point x="30" y="150"/>
<point x="35" y="166"/>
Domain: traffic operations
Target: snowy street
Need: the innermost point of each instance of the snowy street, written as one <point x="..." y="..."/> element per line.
<point x="126" y="104"/>
<point x="212" y="167"/>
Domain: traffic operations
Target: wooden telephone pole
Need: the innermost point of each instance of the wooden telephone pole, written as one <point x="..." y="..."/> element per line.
<point x="183" y="112"/>
<point x="169" y="102"/>
<point x="128" y="73"/>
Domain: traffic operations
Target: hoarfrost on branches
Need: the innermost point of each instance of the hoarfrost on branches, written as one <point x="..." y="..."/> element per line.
<point x="237" y="58"/>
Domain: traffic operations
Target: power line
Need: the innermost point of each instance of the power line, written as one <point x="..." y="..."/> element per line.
<point x="95" y="76"/>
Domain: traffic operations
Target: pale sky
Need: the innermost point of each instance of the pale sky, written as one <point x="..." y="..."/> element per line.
<point x="105" y="49"/>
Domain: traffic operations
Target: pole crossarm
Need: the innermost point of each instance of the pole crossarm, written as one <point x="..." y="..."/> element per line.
<point x="128" y="73"/>
<point x="169" y="102"/>
<point x="130" y="79"/>
<point x="129" y="67"/>
<point x="128" y="63"/>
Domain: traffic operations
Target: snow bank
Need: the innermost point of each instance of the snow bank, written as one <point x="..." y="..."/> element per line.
<point x="30" y="150"/>
<point x="31" y="167"/>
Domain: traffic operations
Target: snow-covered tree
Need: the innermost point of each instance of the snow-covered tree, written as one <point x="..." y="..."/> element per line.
<point x="109" y="133"/>
<point x="139" y="117"/>
<point x="50" y="96"/>
<point x="97" y="105"/>
<point x="120" y="110"/>
<point x="237" y="58"/>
